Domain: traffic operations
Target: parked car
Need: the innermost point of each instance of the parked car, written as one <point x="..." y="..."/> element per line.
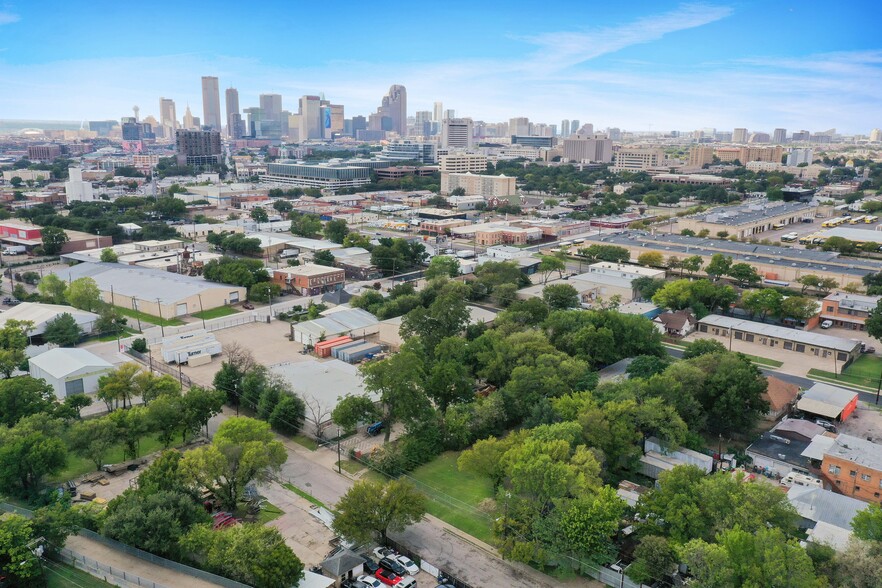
<point x="391" y="564"/>
<point x="381" y="552"/>
<point x="247" y="306"/>
<point x="375" y="429"/>
<point x="826" y="324"/>
<point x="370" y="581"/>
<point x="408" y="564"/>
<point x="353" y="584"/>
<point x="866" y="349"/>
<point x="388" y="577"/>
<point x="369" y="565"/>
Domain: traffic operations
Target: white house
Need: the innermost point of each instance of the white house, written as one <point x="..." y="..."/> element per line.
<point x="69" y="371"/>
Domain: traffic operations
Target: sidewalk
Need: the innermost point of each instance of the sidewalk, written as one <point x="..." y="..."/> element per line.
<point x="130" y="563"/>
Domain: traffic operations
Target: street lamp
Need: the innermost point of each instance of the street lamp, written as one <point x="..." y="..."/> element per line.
<point x="269" y="293"/>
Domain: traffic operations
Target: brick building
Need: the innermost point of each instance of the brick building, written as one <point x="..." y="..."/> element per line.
<point x="854" y="467"/>
<point x="309" y="279"/>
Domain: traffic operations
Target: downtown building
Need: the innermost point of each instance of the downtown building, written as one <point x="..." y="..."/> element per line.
<point x="198" y="148"/>
<point x="322" y="176"/>
<point x="588" y="149"/>
<point x="501" y="187"/>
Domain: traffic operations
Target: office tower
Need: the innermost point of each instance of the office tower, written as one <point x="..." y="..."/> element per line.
<point x="438" y="112"/>
<point x="310" y="118"/>
<point x="211" y="103"/>
<point x="519" y="126"/>
<point x="252" y="121"/>
<point x="198" y="148"/>
<point x="393" y="107"/>
<point x="167" y="116"/>
<point x="102" y="127"/>
<point x="449" y="113"/>
<point x="802" y="135"/>
<point x="565" y="128"/>
<point x="876" y="135"/>
<point x="585" y="130"/>
<point x="271" y="104"/>
<point x="574" y="126"/>
<point x="701" y="155"/>
<point x="587" y="148"/>
<point x="422" y="123"/>
<point x="359" y="123"/>
<point x="798" y="156"/>
<point x="234" y="118"/>
<point x="739" y="135"/>
<point x="190" y="122"/>
<point x="759" y="138"/>
<point x="337" y="119"/>
<point x="614" y="133"/>
<point x="131" y="130"/>
<point x="779" y="136"/>
<point x="457" y="132"/>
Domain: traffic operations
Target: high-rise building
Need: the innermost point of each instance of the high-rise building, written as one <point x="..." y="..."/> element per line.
<point x="802" y="135"/>
<point x="739" y="135"/>
<point x="779" y="136"/>
<point x="102" y="127"/>
<point x="565" y="128"/>
<point x="587" y="148"/>
<point x="271" y="104"/>
<point x="519" y="126"/>
<point x="310" y="118"/>
<point x="359" y="123"/>
<point x="449" y="113"/>
<point x="211" y="103"/>
<point x="457" y="132"/>
<point x="798" y="156"/>
<point x="438" y="112"/>
<point x="614" y="133"/>
<point x="394" y="107"/>
<point x="586" y="129"/>
<point x="759" y="138"/>
<point x="190" y="122"/>
<point x="422" y="123"/>
<point x="876" y="135"/>
<point x="198" y="148"/>
<point x="701" y="155"/>
<point x="574" y="126"/>
<point x="235" y="129"/>
<point x="167" y="116"/>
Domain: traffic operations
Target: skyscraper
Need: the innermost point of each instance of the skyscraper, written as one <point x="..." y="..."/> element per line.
<point x="234" y="118"/>
<point x="574" y="126"/>
<point x="211" y="103"/>
<point x="271" y="104"/>
<point x="190" y="122"/>
<point x="519" y="126"/>
<point x="457" y="132"/>
<point x="876" y="135"/>
<point x="167" y="116"/>
<point x="310" y="118"/>
<point x="779" y="136"/>
<point x="438" y="112"/>
<point x="739" y="135"/>
<point x="565" y="128"/>
<point x="394" y="106"/>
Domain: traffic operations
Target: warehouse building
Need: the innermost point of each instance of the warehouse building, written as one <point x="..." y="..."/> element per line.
<point x="69" y="371"/>
<point x="154" y="291"/>
<point x="750" y="219"/>
<point x="42" y="314"/>
<point x="828" y="402"/>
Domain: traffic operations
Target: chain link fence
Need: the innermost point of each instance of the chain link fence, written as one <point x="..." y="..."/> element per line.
<point x="109" y="574"/>
<point x="158" y="366"/>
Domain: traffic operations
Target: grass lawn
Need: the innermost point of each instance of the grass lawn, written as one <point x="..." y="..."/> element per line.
<point x="305" y="441"/>
<point x="856" y="381"/>
<point x="454" y="496"/>
<point x="149" y="318"/>
<point x="867" y="366"/>
<point x="304" y="494"/>
<point x="269" y="512"/>
<point x="78" y="466"/>
<point x="764" y="360"/>
<point x="112" y="336"/>
<point x="63" y="576"/>
<point x="353" y="467"/>
<point x="215" y="312"/>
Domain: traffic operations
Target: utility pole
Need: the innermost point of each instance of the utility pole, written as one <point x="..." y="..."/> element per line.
<point x="338" y="451"/>
<point x="161" y="320"/>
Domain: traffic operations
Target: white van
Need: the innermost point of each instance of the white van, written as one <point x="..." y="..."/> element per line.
<point x="797" y="479"/>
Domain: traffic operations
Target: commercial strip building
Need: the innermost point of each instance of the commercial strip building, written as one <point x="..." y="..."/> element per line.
<point x="748" y="220"/>
<point x="155" y="292"/>
<point x="781" y="265"/>
<point x="691" y="179"/>
<point x="482" y="185"/>
<point x="309" y="279"/>
<point x="827" y="349"/>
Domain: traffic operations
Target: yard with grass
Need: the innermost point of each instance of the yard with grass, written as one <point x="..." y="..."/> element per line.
<point x="764" y="360"/>
<point x="305" y="441"/>
<point x="148" y="318"/>
<point x="304" y="494"/>
<point x="64" y="576"/>
<point x="454" y="496"/>
<point x="353" y="467"/>
<point x="79" y="466"/>
<point x="215" y="313"/>
<point x="865" y="372"/>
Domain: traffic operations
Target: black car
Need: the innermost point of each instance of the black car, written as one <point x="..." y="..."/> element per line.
<point x="387" y="563"/>
<point x="370" y="566"/>
<point x="353" y="584"/>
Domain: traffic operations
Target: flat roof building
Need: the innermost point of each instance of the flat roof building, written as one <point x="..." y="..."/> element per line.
<point x="848" y="310"/>
<point x="829" y="402"/>
<point x="854" y="467"/>
<point x="747" y="220"/>
<point x="501" y="186"/>
<point x="309" y="279"/>
<point x="332" y="177"/>
<point x="69" y="370"/>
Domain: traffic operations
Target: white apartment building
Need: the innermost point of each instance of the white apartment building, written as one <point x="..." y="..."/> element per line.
<point x="638" y="159"/>
<point x="75" y="189"/>
<point x="460" y="163"/>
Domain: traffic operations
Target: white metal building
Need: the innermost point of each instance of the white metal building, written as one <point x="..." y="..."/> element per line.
<point x="41" y="314"/>
<point x="69" y="371"/>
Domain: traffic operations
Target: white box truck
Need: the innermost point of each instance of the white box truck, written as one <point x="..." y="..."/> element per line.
<point x="14" y="249"/>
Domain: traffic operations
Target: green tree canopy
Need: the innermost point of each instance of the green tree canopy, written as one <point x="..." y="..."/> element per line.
<point x="63" y="330"/>
<point x="370" y="510"/>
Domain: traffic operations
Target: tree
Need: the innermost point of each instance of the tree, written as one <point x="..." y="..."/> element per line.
<point x="251" y="553"/>
<point x="646" y="366"/>
<point x="30" y="451"/>
<point x="397" y="380"/>
<point x="674" y="295"/>
<point x="288" y="414"/>
<point x="165" y="415"/>
<point x="798" y="308"/>
<point x="873" y="324"/>
<point x="611" y="253"/>
<point x="651" y="259"/>
<point x="449" y="380"/>
<point x="200" y="404"/>
<point x="20" y="567"/>
<point x="13" y="340"/>
<point x="447" y="316"/>
<point x="63" y="330"/>
<point x="75" y="403"/>
<point x="150" y="387"/>
<point x="442" y="266"/>
<point x="731" y="393"/>
<point x="243" y="450"/>
<point x="646" y="287"/>
<point x="282" y="206"/>
<point x="809" y="281"/>
<point x="369" y="510"/>
<point x="586" y="527"/>
<point x="702" y="347"/>
<point x="873" y="283"/>
<point x="54" y="240"/>
<point x="51" y="289"/>
<point x="92" y="439"/>
<point x="306" y="225"/>
<point x="336" y="230"/>
<point x="236" y="271"/>
<point x="22" y="397"/>
<point x="550" y="264"/>
<point x="654" y="559"/>
<point x="719" y="266"/>
<point x="692" y="264"/>
<point x="560" y="296"/>
<point x="83" y="293"/>
<point x="762" y="302"/>
<point x="108" y="255"/>
<point x="259" y="215"/>
<point x="264" y="291"/>
<point x="118" y="385"/>
<point x="867" y="524"/>
<point x="153" y="521"/>
<point x="745" y="274"/>
<point x="353" y="410"/>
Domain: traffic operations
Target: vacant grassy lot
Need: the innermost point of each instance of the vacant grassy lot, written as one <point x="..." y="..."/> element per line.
<point x="454" y="496"/>
<point x="215" y="312"/>
<point x="64" y="576"/>
<point x="865" y="372"/>
<point x="78" y="466"/>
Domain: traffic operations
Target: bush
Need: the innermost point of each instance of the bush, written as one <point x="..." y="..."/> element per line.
<point x="140" y="345"/>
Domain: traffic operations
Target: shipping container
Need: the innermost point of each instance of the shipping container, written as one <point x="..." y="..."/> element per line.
<point x="323" y="348"/>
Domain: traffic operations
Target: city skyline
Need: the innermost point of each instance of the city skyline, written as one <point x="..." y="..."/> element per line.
<point x="652" y="66"/>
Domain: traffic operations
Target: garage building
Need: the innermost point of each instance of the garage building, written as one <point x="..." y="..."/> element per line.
<point x="69" y="371"/>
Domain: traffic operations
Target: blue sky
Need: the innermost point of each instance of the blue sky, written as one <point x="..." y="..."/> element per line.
<point x="754" y="63"/>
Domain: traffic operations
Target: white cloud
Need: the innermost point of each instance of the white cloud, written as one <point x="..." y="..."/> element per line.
<point x="7" y="17"/>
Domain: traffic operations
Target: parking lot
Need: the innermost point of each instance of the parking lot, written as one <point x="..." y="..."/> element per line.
<point x="864" y="423"/>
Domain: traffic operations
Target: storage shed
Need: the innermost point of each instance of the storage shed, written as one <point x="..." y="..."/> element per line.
<point x="69" y="371"/>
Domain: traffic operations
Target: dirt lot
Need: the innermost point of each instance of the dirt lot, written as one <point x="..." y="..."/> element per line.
<point x="267" y="342"/>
